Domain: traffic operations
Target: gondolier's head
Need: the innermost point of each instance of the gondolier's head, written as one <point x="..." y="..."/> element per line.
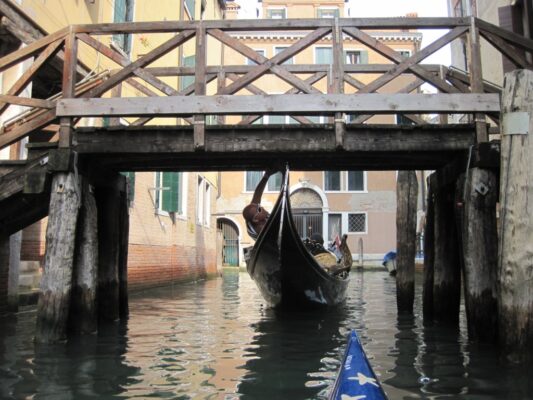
<point x="256" y="215"/>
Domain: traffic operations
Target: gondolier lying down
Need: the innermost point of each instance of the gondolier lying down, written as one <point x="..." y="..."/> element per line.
<point x="254" y="214"/>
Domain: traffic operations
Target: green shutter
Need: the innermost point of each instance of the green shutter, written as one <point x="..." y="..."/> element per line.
<point x="364" y="57"/>
<point x="170" y="191"/>
<point x="189" y="61"/>
<point x="131" y="185"/>
<point x="324" y="55"/>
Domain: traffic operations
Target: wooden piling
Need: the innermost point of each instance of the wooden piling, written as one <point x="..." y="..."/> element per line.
<point x="515" y="264"/>
<point x="480" y="254"/>
<point x="15" y="244"/>
<point x="4" y="273"/>
<point x="429" y="255"/>
<point x="83" y="316"/>
<point x="407" y="195"/>
<point x="108" y="204"/>
<point x="56" y="282"/>
<point x="446" y="265"/>
<point x="124" y="229"/>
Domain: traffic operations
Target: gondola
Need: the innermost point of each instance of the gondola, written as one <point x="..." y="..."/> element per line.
<point x="285" y="272"/>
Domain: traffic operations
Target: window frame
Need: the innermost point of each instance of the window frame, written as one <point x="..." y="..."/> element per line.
<point x="268" y="189"/>
<point x="315" y="48"/>
<point x="347" y="218"/>
<point x="284" y="9"/>
<point x="344" y="182"/>
<point x="182" y="191"/>
<point x="319" y="9"/>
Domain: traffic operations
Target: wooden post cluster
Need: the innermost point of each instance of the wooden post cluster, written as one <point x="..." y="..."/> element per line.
<point x="515" y="264"/>
<point x="407" y="195"/>
<point x="85" y="271"/>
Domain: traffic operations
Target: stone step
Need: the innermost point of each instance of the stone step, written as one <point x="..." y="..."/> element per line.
<point x="29" y="266"/>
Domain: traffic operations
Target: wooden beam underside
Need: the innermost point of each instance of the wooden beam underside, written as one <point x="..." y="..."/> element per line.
<point x="306" y="147"/>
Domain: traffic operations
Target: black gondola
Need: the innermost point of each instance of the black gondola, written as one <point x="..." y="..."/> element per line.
<point x="284" y="270"/>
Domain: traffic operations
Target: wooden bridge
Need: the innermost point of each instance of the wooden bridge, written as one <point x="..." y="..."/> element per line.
<point x="216" y="115"/>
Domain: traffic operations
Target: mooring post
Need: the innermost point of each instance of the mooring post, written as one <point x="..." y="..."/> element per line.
<point x="407" y="195"/>
<point x="480" y="253"/>
<point x="124" y="230"/>
<point x="429" y="254"/>
<point x="515" y="264"/>
<point x="83" y="317"/>
<point x="56" y="283"/>
<point x="446" y="265"/>
<point x="108" y="204"/>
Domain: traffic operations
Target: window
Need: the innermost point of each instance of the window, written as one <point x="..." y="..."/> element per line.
<point x="190" y="6"/>
<point x="461" y="8"/>
<point x="323" y="55"/>
<point x="187" y="80"/>
<point x="332" y="180"/>
<point x="203" y="202"/>
<point x="253" y="178"/>
<point x="169" y="192"/>
<point x="347" y="181"/>
<point x="356" y="181"/>
<point x="356" y="56"/>
<point x="277" y="13"/>
<point x="404" y="53"/>
<point x="357" y="223"/>
<point x="334" y="226"/>
<point x="327" y="13"/>
<point x="258" y="51"/>
<point x="279" y="49"/>
<point x="123" y="12"/>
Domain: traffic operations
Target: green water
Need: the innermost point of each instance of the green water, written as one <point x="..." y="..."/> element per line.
<point x="216" y="340"/>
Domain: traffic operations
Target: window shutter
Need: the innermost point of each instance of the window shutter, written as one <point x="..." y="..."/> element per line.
<point x="189" y="61"/>
<point x="191" y="7"/>
<point x="131" y="185"/>
<point x="364" y="57"/>
<point x="324" y="55"/>
<point x="170" y="195"/>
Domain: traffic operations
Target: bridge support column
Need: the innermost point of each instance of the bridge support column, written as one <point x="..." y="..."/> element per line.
<point x="56" y="282"/>
<point x="429" y="254"/>
<point x="108" y="203"/>
<point x="15" y="243"/>
<point x="447" y="273"/>
<point x="515" y="267"/>
<point x="480" y="253"/>
<point x="407" y="194"/>
<point x="83" y="311"/>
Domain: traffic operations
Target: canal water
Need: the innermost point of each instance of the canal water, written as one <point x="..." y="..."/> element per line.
<point x="216" y="340"/>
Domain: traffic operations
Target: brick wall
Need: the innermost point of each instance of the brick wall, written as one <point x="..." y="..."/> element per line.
<point x="33" y="242"/>
<point x="150" y="266"/>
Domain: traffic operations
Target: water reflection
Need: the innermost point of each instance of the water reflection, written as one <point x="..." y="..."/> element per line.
<point x="216" y="340"/>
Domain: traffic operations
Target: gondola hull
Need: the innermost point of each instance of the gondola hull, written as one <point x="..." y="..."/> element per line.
<point x="285" y="272"/>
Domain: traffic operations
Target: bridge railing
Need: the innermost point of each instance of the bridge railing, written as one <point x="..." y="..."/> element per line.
<point x="235" y="91"/>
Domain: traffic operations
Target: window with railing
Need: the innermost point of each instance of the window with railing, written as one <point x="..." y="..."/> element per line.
<point x="357" y="223"/>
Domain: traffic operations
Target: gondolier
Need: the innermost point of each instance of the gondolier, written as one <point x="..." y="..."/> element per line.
<point x="254" y="214"/>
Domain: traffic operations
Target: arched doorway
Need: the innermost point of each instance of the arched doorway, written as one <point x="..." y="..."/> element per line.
<point x="307" y="211"/>
<point x="229" y="233"/>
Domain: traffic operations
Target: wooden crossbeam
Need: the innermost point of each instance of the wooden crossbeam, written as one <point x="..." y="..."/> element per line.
<point x="124" y="62"/>
<point x="304" y="104"/>
<point x="27" y="76"/>
<point x="26" y="101"/>
<point x="510" y="37"/>
<point x="409" y="63"/>
<point x="30" y="50"/>
<point x="266" y="64"/>
<point x="127" y="71"/>
<point x="507" y="50"/>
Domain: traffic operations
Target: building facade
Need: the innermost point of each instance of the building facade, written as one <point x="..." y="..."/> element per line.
<point x="361" y="204"/>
